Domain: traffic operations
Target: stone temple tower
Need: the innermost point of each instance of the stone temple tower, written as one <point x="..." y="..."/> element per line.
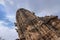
<point x="31" y="27"/>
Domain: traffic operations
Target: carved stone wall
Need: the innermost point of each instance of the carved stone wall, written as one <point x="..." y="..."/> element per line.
<point x="31" y="27"/>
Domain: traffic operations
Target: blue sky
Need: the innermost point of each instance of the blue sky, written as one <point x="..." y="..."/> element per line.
<point x="8" y="10"/>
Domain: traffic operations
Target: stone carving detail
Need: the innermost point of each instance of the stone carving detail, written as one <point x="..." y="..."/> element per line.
<point x="31" y="27"/>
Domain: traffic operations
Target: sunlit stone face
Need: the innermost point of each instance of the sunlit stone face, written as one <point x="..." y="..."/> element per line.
<point x="53" y="23"/>
<point x="56" y="24"/>
<point x="32" y="33"/>
<point x="34" y="36"/>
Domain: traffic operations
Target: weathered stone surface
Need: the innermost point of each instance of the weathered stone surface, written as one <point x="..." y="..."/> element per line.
<point x="31" y="27"/>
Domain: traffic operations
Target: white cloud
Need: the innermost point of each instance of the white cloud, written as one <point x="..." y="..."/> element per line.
<point x="11" y="17"/>
<point x="7" y="33"/>
<point x="2" y="2"/>
<point x="45" y="7"/>
<point x="37" y="6"/>
<point x="11" y="2"/>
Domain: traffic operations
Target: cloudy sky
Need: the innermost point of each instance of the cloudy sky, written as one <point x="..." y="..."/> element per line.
<point x="8" y="10"/>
